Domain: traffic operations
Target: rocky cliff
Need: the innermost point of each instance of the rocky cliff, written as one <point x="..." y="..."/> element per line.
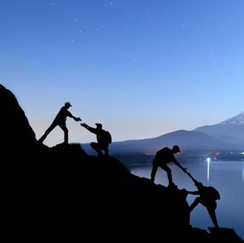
<point x="61" y="193"/>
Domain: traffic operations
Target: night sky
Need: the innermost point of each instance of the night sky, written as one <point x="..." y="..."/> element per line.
<point x="141" y="68"/>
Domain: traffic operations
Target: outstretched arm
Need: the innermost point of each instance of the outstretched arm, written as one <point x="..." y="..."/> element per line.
<point x="91" y="129"/>
<point x="75" y="118"/>
<point x="179" y="165"/>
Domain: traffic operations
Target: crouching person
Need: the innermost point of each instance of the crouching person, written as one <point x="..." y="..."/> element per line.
<point x="103" y="138"/>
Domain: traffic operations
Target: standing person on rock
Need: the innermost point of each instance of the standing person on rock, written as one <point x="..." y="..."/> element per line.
<point x="60" y="120"/>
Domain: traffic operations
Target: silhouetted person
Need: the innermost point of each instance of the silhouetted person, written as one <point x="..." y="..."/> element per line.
<point x="103" y="138"/>
<point x="208" y="197"/>
<point x="163" y="157"/>
<point x="60" y="120"/>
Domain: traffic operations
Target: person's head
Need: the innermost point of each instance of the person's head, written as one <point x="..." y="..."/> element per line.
<point x="176" y="149"/>
<point x="99" y="126"/>
<point x="67" y="105"/>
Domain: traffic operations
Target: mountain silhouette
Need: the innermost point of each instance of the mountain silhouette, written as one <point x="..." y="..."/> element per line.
<point x="229" y="132"/>
<point x="61" y="193"/>
<point x="236" y="120"/>
<point x="187" y="140"/>
<point x="227" y="135"/>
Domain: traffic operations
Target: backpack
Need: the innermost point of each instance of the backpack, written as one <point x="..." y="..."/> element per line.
<point x="213" y="193"/>
<point x="107" y="137"/>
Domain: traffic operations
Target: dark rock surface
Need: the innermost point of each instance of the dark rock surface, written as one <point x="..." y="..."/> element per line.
<point x="14" y="124"/>
<point x="61" y="193"/>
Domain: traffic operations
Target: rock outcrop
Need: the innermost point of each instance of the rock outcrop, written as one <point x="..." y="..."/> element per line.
<point x="17" y="135"/>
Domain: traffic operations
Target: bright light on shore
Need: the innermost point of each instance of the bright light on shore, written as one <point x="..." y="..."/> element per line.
<point x="208" y="168"/>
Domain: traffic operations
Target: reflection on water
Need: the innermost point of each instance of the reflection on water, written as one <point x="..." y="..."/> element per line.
<point x="226" y="177"/>
<point x="208" y="167"/>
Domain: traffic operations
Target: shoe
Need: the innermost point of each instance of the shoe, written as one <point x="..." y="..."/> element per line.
<point x="172" y="186"/>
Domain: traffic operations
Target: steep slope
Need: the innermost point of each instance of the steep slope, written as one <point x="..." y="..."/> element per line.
<point x="71" y="196"/>
<point x="61" y="193"/>
<point x="15" y="128"/>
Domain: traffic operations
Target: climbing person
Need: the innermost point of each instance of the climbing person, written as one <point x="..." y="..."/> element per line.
<point x="103" y="138"/>
<point x="163" y="157"/>
<point x="208" y="197"/>
<point x="60" y="120"/>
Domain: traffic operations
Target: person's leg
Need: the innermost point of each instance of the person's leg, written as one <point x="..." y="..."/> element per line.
<point x="106" y="151"/>
<point x="154" y="170"/>
<point x="53" y="125"/>
<point x="213" y="217"/>
<point x="211" y="211"/>
<point x="66" y="132"/>
<point x="96" y="147"/>
<point x="168" y="170"/>
<point x="194" y="204"/>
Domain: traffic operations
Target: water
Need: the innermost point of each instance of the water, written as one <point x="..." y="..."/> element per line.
<point x="227" y="177"/>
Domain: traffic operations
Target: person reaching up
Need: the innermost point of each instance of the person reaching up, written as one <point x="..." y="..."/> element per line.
<point x="103" y="138"/>
<point x="207" y="197"/>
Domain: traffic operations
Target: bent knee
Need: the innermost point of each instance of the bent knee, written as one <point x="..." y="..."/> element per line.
<point x="166" y="168"/>
<point x="93" y="145"/>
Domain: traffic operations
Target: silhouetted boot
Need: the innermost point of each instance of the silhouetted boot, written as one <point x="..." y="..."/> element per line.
<point x="172" y="186"/>
<point x="100" y="154"/>
<point x="106" y="152"/>
<point x="66" y="141"/>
